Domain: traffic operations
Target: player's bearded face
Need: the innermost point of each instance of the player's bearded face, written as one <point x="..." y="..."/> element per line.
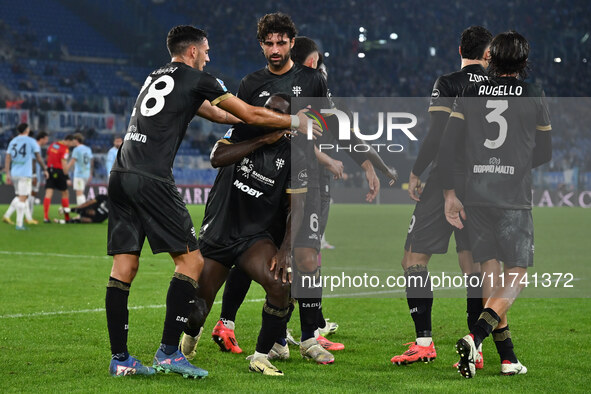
<point x="277" y="48"/>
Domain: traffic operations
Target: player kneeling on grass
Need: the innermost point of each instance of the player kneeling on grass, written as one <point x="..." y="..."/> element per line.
<point x="244" y="225"/>
<point x="92" y="211"/>
<point x="503" y="125"/>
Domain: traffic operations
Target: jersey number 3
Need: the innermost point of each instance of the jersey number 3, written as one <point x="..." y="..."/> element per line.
<point x="155" y="95"/>
<point x="499" y="106"/>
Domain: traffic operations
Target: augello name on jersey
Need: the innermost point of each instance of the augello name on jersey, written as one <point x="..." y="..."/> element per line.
<point x="501" y="90"/>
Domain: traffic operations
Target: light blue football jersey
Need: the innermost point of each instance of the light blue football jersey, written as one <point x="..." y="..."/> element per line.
<point x="22" y="151"/>
<point x="83" y="156"/>
<point x="111" y="156"/>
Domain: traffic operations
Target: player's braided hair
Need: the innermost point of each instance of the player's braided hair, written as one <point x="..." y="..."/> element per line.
<point x="474" y="41"/>
<point x="508" y="54"/>
<point x="180" y="37"/>
<point x="275" y="23"/>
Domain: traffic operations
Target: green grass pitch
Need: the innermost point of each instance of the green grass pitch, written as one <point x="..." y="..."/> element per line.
<point x="53" y="335"/>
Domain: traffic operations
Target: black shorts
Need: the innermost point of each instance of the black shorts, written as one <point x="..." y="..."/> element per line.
<point x="429" y="231"/>
<point x="143" y="207"/>
<point x="57" y="179"/>
<point x="503" y="234"/>
<point x="309" y="234"/>
<point x="229" y="255"/>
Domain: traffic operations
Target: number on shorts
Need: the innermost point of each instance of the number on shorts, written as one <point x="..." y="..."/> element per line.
<point x="413" y="220"/>
<point x="156" y="94"/>
<point x="314" y="222"/>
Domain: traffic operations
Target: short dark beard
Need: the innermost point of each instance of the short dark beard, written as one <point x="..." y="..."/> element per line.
<point x="281" y="63"/>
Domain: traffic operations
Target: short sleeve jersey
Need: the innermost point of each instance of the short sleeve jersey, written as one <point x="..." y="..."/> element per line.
<point x="299" y="81"/>
<point x="247" y="197"/>
<point x="22" y="151"/>
<point x="56" y="152"/>
<point x="445" y="90"/>
<point x="83" y="156"/>
<point x="167" y="102"/>
<point x="501" y="117"/>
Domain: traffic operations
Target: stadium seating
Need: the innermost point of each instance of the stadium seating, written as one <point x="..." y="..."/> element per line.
<point x="401" y="60"/>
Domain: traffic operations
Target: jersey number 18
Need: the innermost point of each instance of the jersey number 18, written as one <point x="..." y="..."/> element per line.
<point x="156" y="94"/>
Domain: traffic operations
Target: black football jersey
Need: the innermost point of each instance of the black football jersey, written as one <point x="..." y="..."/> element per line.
<point x="167" y="102"/>
<point x="248" y="197"/>
<point x="100" y="207"/>
<point x="500" y="119"/>
<point x="445" y="90"/>
<point x="299" y="81"/>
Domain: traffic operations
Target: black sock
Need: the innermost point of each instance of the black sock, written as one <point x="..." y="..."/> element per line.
<point x="504" y="344"/>
<point x="178" y="307"/>
<point x="320" y="322"/>
<point x="308" y="315"/>
<point x="419" y="297"/>
<point x="487" y="322"/>
<point x="197" y="317"/>
<point x="474" y="305"/>
<point x="283" y="331"/>
<point x="237" y="285"/>
<point x="117" y="317"/>
<point x="272" y="328"/>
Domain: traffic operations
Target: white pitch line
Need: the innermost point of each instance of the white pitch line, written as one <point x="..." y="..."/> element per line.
<point x="44" y="254"/>
<point x="140" y="307"/>
<point x="73" y="312"/>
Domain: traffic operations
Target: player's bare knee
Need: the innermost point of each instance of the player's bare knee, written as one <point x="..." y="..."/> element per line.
<point x="306" y="260"/>
<point x="125" y="267"/>
<point x="190" y="264"/>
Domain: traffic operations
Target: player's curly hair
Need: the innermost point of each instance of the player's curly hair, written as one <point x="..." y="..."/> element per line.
<point x="508" y="54"/>
<point x="275" y="23"/>
<point x="180" y="37"/>
<point x="474" y="41"/>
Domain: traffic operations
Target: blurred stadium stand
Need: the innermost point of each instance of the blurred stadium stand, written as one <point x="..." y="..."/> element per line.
<point x="83" y="56"/>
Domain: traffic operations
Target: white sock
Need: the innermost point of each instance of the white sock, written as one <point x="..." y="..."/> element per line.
<point x="11" y="208"/>
<point x="316" y="333"/>
<point x="80" y="199"/>
<point x="31" y="202"/>
<point x="21" y="207"/>
<point x="228" y="323"/>
<point x="424" y="341"/>
<point x="28" y="210"/>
